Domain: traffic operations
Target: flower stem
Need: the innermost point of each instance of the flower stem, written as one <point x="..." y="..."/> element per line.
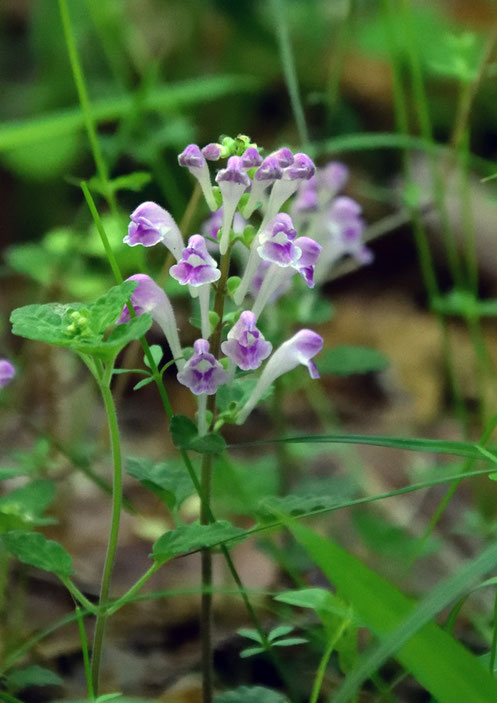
<point x="114" y="528"/>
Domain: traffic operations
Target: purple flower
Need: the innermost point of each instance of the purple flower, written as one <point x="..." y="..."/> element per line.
<point x="346" y="227"/>
<point x="233" y="181"/>
<point x="212" y="152"/>
<point x="307" y="197"/>
<point x="301" y="168"/>
<point x="148" y="297"/>
<point x="299" y="349"/>
<point x="284" y="157"/>
<point x="306" y="264"/>
<point x="151" y="224"/>
<point x="193" y="159"/>
<point x="7" y="372"/>
<point x="196" y="267"/>
<point x="332" y="177"/>
<point x="246" y="346"/>
<point x="202" y="373"/>
<point x="251" y="158"/>
<point x="276" y="241"/>
<point x="267" y="173"/>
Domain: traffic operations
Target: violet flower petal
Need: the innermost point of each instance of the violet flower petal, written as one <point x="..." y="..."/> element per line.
<point x="202" y="373"/>
<point x="7" y="372"/>
<point x="246" y="345"/>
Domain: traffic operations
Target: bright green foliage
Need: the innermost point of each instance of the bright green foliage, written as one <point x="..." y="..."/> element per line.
<point x="192" y="537"/>
<point x="274" y="506"/>
<point x="83" y="327"/>
<point x="275" y="638"/>
<point x="251" y="694"/>
<point x="440" y="663"/>
<point x="32" y="676"/>
<point x="131" y="181"/>
<point x="345" y="361"/>
<point x="185" y="435"/>
<point x="35" y="549"/>
<point x="24" y="507"/>
<point x="168" y="480"/>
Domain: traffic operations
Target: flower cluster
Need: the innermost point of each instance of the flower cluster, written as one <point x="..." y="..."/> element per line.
<point x="321" y="227"/>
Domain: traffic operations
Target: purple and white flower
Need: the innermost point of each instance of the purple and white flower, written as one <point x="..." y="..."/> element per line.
<point x="197" y="269"/>
<point x="284" y="157"/>
<point x="196" y="266"/>
<point x="267" y="173"/>
<point x="193" y="159"/>
<point x="246" y="346"/>
<point x="276" y="241"/>
<point x="212" y="152"/>
<point x="7" y="372"/>
<point x="202" y="373"/>
<point x="233" y="181"/>
<point x="251" y="158"/>
<point x="148" y="297"/>
<point x="299" y="349"/>
<point x="306" y="264"/>
<point x="301" y="169"/>
<point x="213" y="224"/>
<point x="151" y="224"/>
<point x="273" y="243"/>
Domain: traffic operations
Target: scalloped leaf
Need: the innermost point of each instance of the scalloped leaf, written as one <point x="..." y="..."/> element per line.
<point x="35" y="549"/>
<point x="193" y="537"/>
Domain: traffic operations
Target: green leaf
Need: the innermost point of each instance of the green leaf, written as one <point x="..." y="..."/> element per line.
<point x="25" y="506"/>
<point x="289" y="642"/>
<point x="467" y="449"/>
<point x="157" y="354"/>
<point x="35" y="549"/>
<point x="193" y="537"/>
<point x="238" y="393"/>
<point x="251" y="652"/>
<point x="32" y="676"/>
<point x="143" y="382"/>
<point x="185" y="435"/>
<point x="440" y="663"/>
<point x="169" y="480"/>
<point x="82" y="327"/>
<point x="251" y="694"/>
<point x="345" y="361"/>
<point x="250" y="634"/>
<point x="318" y="599"/>
<point x="211" y="443"/>
<point x="183" y="431"/>
<point x="279" y="632"/>
<point x="387" y="539"/>
<point x="131" y="181"/>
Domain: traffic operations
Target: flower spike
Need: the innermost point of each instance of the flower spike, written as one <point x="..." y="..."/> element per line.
<point x="299" y="349"/>
<point x="233" y="181"/>
<point x="7" y="372"/>
<point x="193" y="159"/>
<point x="246" y="345"/>
<point x="151" y="224"/>
<point x="202" y="373"/>
<point x="149" y="297"/>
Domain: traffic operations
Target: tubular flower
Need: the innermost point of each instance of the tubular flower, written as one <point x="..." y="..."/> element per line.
<point x="251" y="158"/>
<point x="151" y="224"/>
<point x="196" y="266"/>
<point x="202" y="373"/>
<point x="7" y="372"/>
<point x="299" y="349"/>
<point x="246" y="345"/>
<point x="277" y="278"/>
<point x="149" y="297"/>
<point x="212" y="152"/>
<point x="233" y="181"/>
<point x="284" y="157"/>
<point x="193" y="159"/>
<point x="301" y="169"/>
<point x="213" y="224"/>
<point x="267" y="173"/>
<point x="276" y="241"/>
